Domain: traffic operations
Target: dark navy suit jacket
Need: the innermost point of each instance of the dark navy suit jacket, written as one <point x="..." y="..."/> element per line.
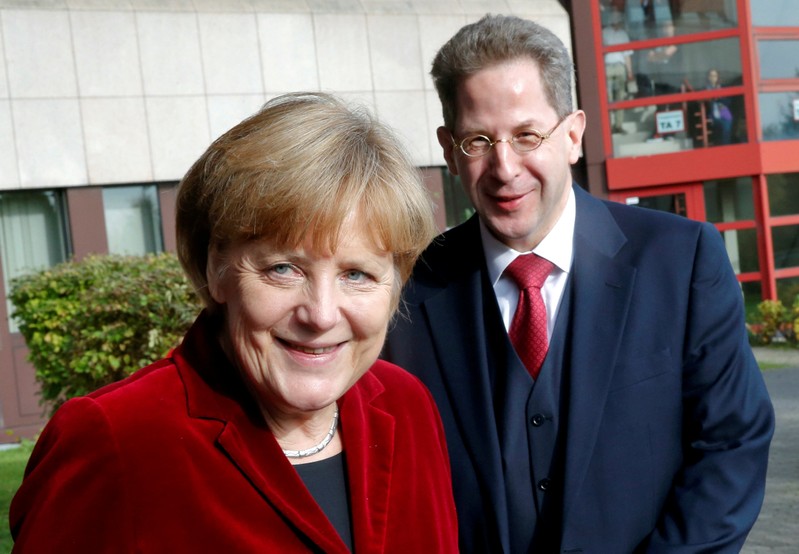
<point x="669" y="422"/>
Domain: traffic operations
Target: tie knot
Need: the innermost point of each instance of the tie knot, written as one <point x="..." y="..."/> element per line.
<point x="529" y="270"/>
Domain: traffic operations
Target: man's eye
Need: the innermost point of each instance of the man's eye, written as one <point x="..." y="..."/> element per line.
<point x="476" y="143"/>
<point x="527" y="138"/>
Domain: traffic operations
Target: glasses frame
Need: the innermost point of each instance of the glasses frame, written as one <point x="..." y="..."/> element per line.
<point x="542" y="137"/>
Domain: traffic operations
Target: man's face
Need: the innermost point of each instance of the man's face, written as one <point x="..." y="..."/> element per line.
<point x="519" y="196"/>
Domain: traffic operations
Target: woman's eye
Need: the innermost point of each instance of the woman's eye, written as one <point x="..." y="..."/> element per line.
<point x="281" y="269"/>
<point x="355" y="275"/>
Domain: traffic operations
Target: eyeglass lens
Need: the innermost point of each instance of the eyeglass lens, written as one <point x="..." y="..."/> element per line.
<point x="523" y="141"/>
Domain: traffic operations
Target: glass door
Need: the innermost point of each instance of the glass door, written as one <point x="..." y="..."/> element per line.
<point x="685" y="200"/>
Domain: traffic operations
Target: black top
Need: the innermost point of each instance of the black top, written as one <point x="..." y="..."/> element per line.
<point x="327" y="482"/>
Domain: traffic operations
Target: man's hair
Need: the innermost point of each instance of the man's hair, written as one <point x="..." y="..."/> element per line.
<point x="303" y="168"/>
<point x="497" y="39"/>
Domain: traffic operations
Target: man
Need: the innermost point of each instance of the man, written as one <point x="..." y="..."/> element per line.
<point x="647" y="427"/>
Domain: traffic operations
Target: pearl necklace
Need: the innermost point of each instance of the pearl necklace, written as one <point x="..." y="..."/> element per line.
<point x="319" y="447"/>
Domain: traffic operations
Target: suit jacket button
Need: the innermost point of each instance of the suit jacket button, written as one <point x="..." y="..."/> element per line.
<point x="544" y="484"/>
<point x="538" y="420"/>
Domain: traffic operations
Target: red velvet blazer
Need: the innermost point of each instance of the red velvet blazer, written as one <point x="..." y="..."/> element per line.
<point x="177" y="458"/>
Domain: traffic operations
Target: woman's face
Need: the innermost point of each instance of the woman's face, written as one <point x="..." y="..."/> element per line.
<point x="304" y="325"/>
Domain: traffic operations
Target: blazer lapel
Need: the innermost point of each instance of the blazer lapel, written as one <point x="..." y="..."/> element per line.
<point x="369" y="439"/>
<point x="214" y="393"/>
<point x="257" y="455"/>
<point x="602" y="289"/>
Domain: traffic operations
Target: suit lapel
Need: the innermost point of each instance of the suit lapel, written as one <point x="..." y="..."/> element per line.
<point x="602" y="289"/>
<point x="458" y="311"/>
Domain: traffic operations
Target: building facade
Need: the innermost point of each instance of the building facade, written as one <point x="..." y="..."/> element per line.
<point x="704" y="121"/>
<point x="104" y="105"/>
<point x="692" y="106"/>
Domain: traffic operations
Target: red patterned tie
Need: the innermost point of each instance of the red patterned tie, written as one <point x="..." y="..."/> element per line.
<point x="528" y="330"/>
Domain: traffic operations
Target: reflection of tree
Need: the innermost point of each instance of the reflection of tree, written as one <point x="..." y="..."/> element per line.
<point x="786" y="127"/>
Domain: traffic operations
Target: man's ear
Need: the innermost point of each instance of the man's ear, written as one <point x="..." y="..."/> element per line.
<point x="445" y="140"/>
<point x="575" y="134"/>
<point x="213" y="275"/>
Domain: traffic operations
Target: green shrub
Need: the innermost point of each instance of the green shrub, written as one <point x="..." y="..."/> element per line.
<point x="95" y="321"/>
<point x="773" y="314"/>
<point x="795" y="317"/>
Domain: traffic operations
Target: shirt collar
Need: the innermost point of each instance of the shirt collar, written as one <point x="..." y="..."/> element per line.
<point x="556" y="247"/>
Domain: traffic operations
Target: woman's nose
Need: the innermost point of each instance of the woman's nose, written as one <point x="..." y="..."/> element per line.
<point x="319" y="306"/>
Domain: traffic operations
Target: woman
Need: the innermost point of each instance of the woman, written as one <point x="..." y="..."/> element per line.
<point x="718" y="111"/>
<point x="272" y="427"/>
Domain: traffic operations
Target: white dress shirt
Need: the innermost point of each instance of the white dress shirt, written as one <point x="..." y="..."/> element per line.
<point x="557" y="247"/>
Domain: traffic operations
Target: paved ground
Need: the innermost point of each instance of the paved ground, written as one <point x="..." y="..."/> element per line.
<point x="777" y="529"/>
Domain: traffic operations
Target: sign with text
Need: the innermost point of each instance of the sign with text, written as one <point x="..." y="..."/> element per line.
<point x="672" y="121"/>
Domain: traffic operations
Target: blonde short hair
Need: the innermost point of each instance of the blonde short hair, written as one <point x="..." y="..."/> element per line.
<point x="298" y="169"/>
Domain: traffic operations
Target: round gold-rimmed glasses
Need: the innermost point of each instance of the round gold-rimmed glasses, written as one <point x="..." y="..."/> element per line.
<point x="522" y="142"/>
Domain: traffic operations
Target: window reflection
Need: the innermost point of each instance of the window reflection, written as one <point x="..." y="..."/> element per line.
<point x="786" y="246"/>
<point x="783" y="194"/>
<point x="728" y="200"/>
<point x="644" y="17"/>
<point x="33" y="234"/>
<point x="788" y="290"/>
<point x="671" y="69"/>
<point x="457" y="205"/>
<point x="774" y="13"/>
<point x="779" y="59"/>
<point x="672" y="203"/>
<point x="753" y="295"/>
<point x="132" y="220"/>
<point x="779" y="115"/>
<point x="664" y="128"/>
<point x="741" y="245"/>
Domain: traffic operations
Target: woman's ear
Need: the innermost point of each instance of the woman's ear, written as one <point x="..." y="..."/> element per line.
<point x="214" y="276"/>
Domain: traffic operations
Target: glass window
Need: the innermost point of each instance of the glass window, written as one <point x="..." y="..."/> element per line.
<point x="672" y="203"/>
<point x="786" y="246"/>
<point x="779" y="115"/>
<point x="456" y="203"/>
<point x="643" y="18"/>
<point x="778" y="58"/>
<point x="671" y="69"/>
<point x="133" y="219"/>
<point x="729" y="200"/>
<point x="753" y="295"/>
<point x="783" y="193"/>
<point x="664" y="128"/>
<point x="787" y="290"/>
<point x="742" y="249"/>
<point x="33" y="233"/>
<point x="774" y="13"/>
